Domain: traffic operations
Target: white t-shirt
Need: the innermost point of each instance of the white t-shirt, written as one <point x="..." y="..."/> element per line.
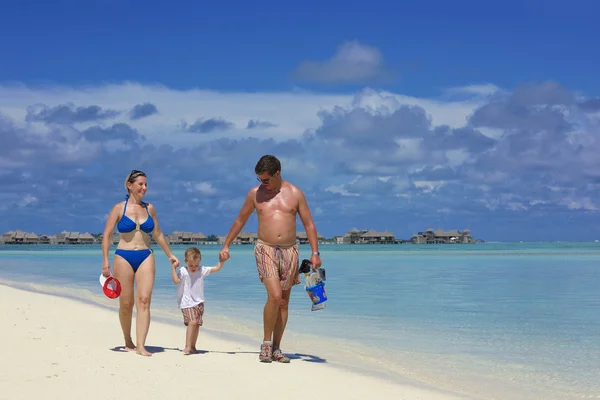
<point x="190" y="290"/>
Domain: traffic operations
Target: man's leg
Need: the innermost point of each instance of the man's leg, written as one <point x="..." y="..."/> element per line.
<point x="271" y="310"/>
<point x="270" y="316"/>
<point x="282" y="317"/>
<point x="289" y="278"/>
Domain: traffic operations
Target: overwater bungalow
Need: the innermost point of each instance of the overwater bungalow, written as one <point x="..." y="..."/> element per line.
<point x="21" y="237"/>
<point x="66" y="237"/>
<point x="14" y="237"/>
<point x="246" y="238"/>
<point x="443" y="237"/>
<point x="190" y="238"/>
<point x="370" y="236"/>
<point x="303" y="239"/>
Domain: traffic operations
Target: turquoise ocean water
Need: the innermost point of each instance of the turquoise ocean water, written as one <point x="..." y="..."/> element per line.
<point x="491" y="321"/>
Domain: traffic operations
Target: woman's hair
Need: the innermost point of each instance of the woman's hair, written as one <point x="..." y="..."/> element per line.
<point x="133" y="175"/>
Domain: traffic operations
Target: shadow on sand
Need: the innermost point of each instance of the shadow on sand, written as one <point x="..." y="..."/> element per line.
<point x="151" y="349"/>
<point x="307" y="357"/>
<point x="158" y="349"/>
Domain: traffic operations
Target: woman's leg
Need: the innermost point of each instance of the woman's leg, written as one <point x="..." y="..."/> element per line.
<point x="144" y="281"/>
<point x="124" y="274"/>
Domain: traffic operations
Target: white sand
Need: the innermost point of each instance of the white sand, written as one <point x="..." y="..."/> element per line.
<point x="57" y="348"/>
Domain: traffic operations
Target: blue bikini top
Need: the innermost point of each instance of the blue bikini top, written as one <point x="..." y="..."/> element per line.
<point x="126" y="224"/>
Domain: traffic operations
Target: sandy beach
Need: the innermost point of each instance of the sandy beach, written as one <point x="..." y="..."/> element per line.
<point x="57" y="348"/>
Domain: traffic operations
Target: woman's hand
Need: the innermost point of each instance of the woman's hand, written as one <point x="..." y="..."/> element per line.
<point x="174" y="261"/>
<point x="106" y="269"/>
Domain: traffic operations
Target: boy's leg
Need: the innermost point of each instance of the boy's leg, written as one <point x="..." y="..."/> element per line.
<point x="189" y="338"/>
<point x="198" y="323"/>
<point x="188" y="316"/>
<point x="195" y="338"/>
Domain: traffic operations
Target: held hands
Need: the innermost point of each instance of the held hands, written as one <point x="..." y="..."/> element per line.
<point x="106" y="269"/>
<point x="316" y="261"/>
<point x="174" y="261"/>
<point x="224" y="254"/>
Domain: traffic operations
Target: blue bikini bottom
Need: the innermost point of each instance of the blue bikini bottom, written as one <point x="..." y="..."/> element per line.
<point x="134" y="257"/>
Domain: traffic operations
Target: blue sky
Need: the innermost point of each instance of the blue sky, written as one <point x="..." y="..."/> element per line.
<point x="399" y="117"/>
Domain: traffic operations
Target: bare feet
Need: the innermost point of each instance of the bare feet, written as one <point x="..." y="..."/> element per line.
<point x="187" y="351"/>
<point x="143" y="352"/>
<point x="129" y="346"/>
<point x="194" y="350"/>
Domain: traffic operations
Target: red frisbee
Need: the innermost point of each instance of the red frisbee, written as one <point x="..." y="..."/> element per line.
<point x="110" y="286"/>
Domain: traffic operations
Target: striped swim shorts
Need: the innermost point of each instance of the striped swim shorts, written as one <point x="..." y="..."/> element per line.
<point x="193" y="314"/>
<point x="273" y="261"/>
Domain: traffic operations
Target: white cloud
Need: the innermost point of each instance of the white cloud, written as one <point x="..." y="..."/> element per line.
<point x="428" y="186"/>
<point x="536" y="202"/>
<point x="584" y="203"/>
<point x="340" y="190"/>
<point x="352" y="62"/>
<point x="204" y="188"/>
<point x="457" y="156"/>
<point x="374" y="154"/>
<point x="485" y="89"/>
<point x="409" y="149"/>
<point x="28" y="200"/>
<point x="293" y="112"/>
<point x="516" y="206"/>
<point x="230" y="205"/>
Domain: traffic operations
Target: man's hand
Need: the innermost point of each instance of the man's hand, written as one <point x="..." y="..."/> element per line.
<point x="316" y="261"/>
<point x="224" y="254"/>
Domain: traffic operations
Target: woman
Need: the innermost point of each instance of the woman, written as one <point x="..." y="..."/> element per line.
<point x="134" y="260"/>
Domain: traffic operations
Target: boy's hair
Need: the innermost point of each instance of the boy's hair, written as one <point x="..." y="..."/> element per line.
<point x="192" y="253"/>
<point x="268" y="164"/>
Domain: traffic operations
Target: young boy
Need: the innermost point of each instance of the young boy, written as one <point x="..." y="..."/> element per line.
<point x="190" y="294"/>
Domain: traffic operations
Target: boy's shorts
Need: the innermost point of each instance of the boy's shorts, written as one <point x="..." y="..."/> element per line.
<point x="193" y="314"/>
<point x="280" y="262"/>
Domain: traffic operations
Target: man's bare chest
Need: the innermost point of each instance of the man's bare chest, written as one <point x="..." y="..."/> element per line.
<point x="274" y="204"/>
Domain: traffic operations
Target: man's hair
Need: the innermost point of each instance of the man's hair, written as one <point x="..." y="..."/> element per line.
<point x="192" y="253"/>
<point x="268" y="164"/>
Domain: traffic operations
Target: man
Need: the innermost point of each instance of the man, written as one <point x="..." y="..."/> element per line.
<point x="276" y="203"/>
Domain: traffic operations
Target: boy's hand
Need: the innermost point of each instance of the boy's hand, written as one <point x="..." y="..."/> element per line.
<point x="224" y="254"/>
